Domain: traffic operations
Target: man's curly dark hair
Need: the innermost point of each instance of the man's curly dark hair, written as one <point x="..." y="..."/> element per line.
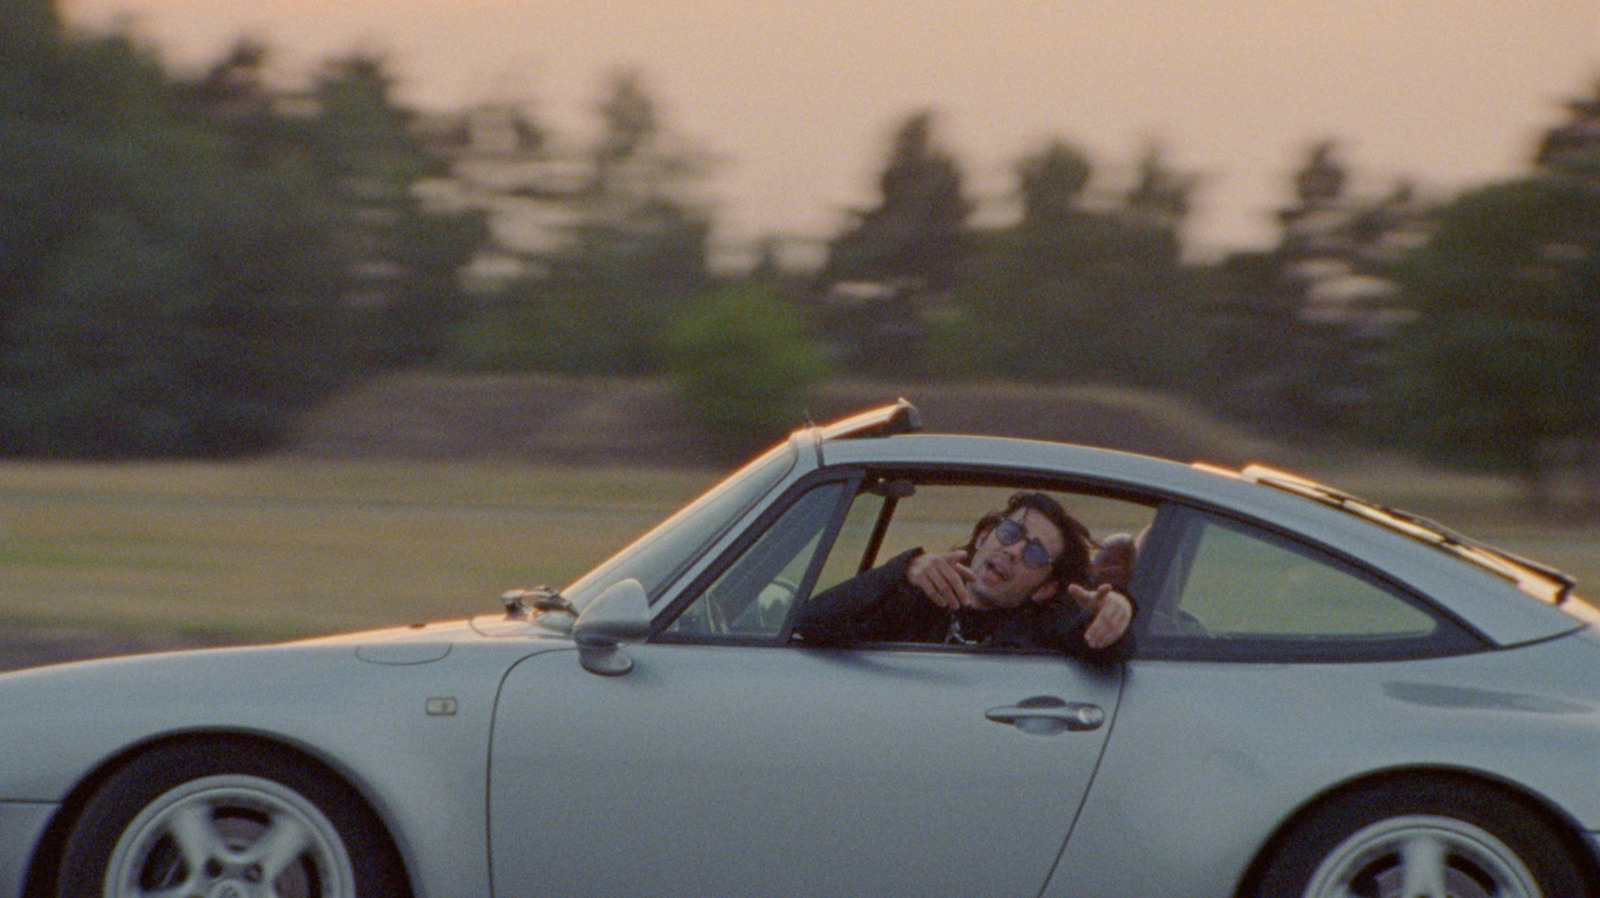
<point x="1072" y="565"/>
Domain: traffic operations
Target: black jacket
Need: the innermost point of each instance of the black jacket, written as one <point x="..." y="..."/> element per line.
<point x="881" y="605"/>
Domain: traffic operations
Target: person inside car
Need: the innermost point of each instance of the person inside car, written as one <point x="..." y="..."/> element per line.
<point x="1113" y="560"/>
<point x="1022" y="581"/>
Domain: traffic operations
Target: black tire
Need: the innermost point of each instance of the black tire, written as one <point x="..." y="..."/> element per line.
<point x="1458" y="840"/>
<point x="209" y="813"/>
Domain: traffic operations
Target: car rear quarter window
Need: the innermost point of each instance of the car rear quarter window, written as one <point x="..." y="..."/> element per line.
<point x="1236" y="592"/>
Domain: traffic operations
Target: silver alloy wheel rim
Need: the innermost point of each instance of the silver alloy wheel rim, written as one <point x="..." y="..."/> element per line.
<point x="230" y="836"/>
<point x="1422" y="855"/>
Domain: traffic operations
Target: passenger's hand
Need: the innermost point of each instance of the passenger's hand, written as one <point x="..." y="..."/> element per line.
<point x="943" y="578"/>
<point x="1113" y="561"/>
<point x="1112" y="611"/>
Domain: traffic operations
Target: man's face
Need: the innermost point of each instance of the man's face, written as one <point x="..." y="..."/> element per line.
<point x="1004" y="577"/>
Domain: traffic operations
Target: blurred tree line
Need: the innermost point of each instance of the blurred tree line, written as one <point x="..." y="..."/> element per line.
<point x="191" y="261"/>
<point x="185" y="263"/>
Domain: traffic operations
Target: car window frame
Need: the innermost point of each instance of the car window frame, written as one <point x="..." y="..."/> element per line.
<point x="862" y="478"/>
<point x="985" y="477"/>
<point x="859" y="478"/>
<point x="1161" y="571"/>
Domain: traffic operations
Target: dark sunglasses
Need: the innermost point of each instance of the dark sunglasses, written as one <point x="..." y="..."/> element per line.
<point x="1009" y="531"/>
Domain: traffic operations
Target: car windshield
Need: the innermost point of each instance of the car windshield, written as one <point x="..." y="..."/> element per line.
<point x="656" y="558"/>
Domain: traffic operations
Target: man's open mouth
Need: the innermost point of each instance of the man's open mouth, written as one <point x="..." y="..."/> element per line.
<point x="996" y="571"/>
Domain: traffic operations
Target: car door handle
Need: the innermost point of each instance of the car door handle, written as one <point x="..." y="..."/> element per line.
<point x="1046" y="715"/>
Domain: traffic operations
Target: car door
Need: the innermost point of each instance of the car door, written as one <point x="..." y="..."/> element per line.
<point x="729" y="762"/>
<point x="742" y="770"/>
<point x="1269" y="671"/>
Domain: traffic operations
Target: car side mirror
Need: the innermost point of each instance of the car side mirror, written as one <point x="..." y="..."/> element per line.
<point x="620" y="614"/>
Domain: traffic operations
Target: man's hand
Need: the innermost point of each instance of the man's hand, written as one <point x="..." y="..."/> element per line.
<point x="1112" y="610"/>
<point x="943" y="578"/>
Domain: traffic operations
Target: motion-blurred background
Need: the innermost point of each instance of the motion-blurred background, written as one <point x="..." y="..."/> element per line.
<point x="503" y="258"/>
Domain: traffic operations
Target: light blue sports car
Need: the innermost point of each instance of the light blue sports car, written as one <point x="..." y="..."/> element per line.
<point x="1321" y="697"/>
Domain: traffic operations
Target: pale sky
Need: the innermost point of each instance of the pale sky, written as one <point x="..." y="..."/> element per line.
<point x="800" y="97"/>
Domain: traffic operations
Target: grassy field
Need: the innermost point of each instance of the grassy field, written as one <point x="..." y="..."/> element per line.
<point x="280" y="548"/>
<point x="277" y="548"/>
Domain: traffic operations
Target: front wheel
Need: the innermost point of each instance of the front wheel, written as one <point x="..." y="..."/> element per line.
<point x="227" y="818"/>
<point x="1429" y="838"/>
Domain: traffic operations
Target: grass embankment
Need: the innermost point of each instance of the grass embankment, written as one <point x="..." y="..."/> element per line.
<point x="280" y="548"/>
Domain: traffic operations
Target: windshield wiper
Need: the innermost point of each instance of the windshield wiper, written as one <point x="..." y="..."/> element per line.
<point x="540" y="599"/>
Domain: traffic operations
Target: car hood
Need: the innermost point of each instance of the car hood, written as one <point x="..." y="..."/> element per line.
<point x="337" y="696"/>
<point x="420" y="643"/>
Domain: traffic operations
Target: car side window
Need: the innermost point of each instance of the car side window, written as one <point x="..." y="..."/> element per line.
<point x="893" y="514"/>
<point x="1236" y="592"/>
<point x="751" y="597"/>
<point x="855" y="535"/>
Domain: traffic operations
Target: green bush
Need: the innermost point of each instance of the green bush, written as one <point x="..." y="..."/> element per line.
<point x="744" y="363"/>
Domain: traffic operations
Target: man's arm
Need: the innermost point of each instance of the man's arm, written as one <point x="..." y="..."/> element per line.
<point x="857" y="610"/>
<point x="1067" y="626"/>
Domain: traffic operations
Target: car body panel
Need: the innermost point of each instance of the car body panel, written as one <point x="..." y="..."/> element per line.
<point x="370" y="720"/>
<point x="22" y="823"/>
<point x="827" y="772"/>
<point x="1201" y="781"/>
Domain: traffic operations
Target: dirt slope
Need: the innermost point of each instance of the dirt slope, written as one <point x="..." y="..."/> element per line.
<point x="606" y="421"/>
